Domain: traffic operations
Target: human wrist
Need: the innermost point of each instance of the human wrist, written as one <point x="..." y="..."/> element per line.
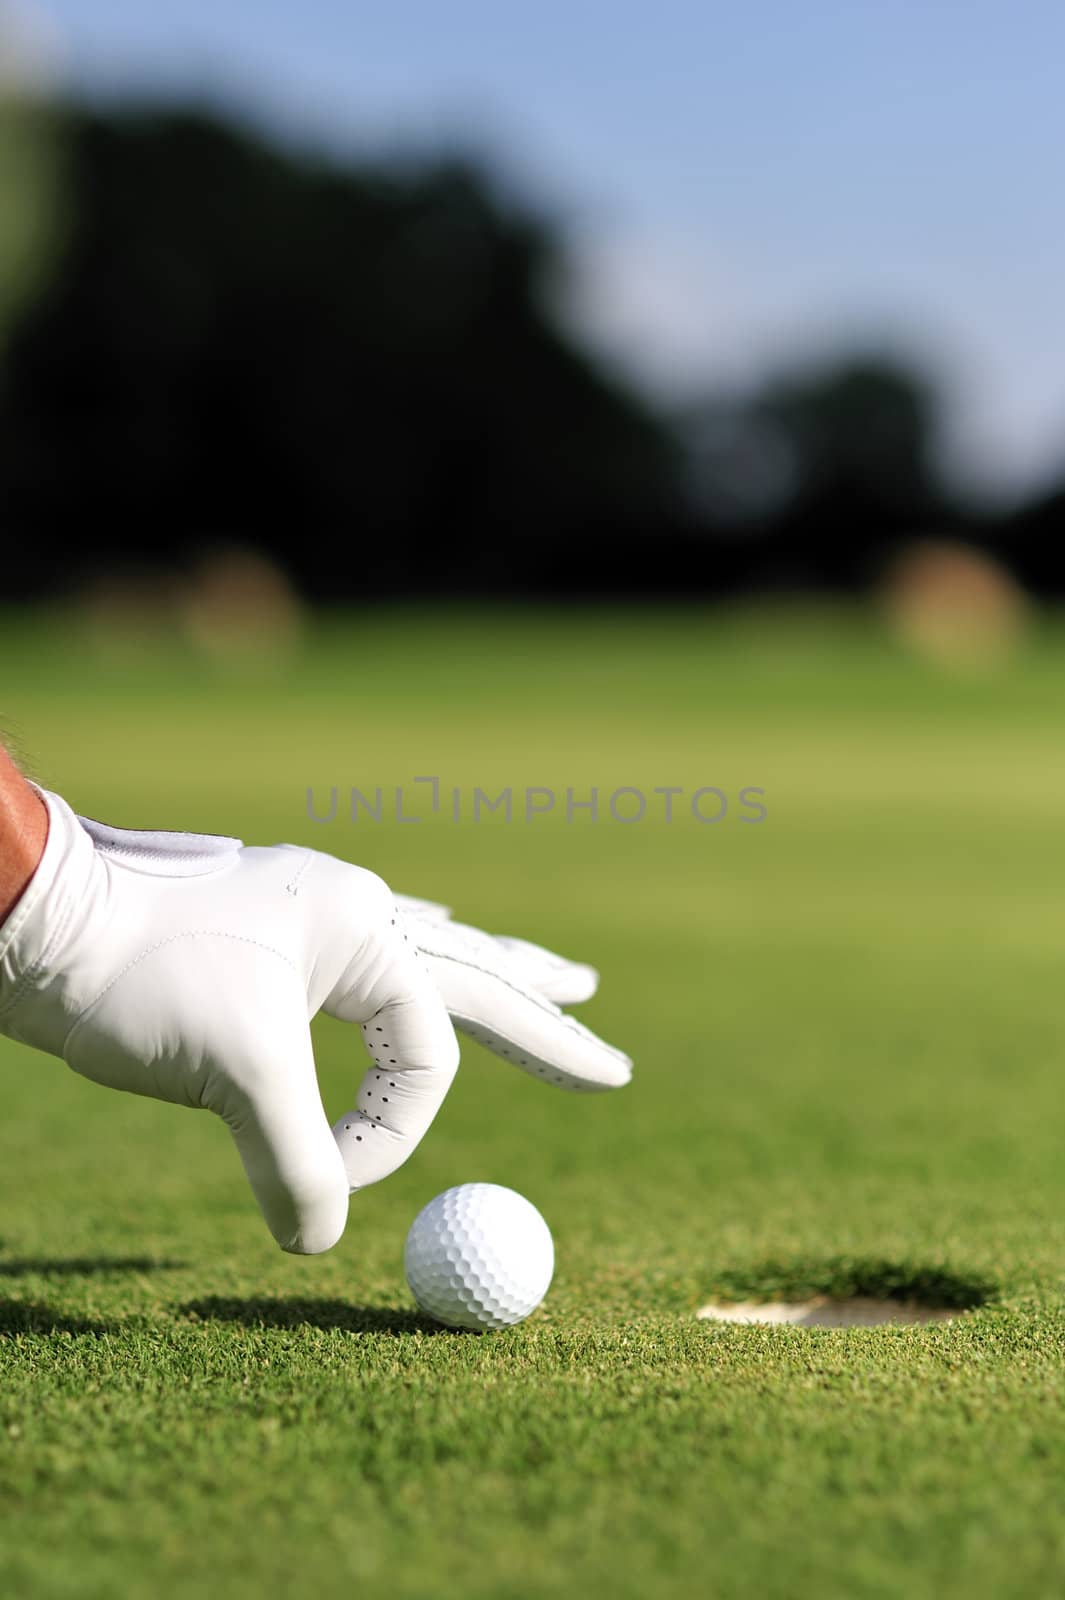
<point x="62" y="900"/>
<point x="23" y="834"/>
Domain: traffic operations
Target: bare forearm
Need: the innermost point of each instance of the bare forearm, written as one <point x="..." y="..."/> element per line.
<point x="23" y="832"/>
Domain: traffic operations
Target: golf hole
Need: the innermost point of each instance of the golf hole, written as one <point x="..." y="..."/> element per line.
<point x="843" y="1294"/>
<point x="859" y="1312"/>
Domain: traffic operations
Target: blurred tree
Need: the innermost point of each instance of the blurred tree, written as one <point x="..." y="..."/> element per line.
<point x="27" y="171"/>
<point x="861" y="438"/>
<point x="821" y="474"/>
<point x="26" y="195"/>
<point x="353" y="371"/>
<point x="1032" y="543"/>
<point x="357" y="372"/>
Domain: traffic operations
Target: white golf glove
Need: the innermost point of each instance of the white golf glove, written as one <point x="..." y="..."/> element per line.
<point x="187" y="967"/>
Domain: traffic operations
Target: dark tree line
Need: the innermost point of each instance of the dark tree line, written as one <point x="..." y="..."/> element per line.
<point x="358" y="370"/>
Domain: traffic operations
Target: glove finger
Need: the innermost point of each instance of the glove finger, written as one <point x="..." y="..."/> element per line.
<point x="413" y="1051"/>
<point x="485" y="992"/>
<point x="536" y="1036"/>
<point x="267" y="1091"/>
<point x="565" y="982"/>
<point x="431" y="910"/>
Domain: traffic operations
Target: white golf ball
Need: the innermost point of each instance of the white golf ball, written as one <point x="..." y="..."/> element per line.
<point x="479" y="1256"/>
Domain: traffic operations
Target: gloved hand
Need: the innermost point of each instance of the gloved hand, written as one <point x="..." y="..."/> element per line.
<point x="188" y="967"/>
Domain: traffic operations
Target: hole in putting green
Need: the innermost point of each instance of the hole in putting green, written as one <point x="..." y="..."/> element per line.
<point x="857" y="1312"/>
<point x="843" y="1293"/>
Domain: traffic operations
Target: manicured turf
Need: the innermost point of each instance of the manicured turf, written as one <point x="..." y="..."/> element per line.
<point x="850" y="1033"/>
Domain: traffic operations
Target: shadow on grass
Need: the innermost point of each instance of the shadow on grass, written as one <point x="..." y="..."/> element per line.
<point x="847" y="1277"/>
<point x="312" y="1313"/>
<point x="83" y="1266"/>
<point x="33" y="1317"/>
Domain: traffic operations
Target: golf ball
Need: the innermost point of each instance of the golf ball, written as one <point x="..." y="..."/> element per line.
<point x="479" y="1256"/>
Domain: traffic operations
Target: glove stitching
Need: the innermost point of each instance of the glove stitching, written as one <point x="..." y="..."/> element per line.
<point x="476" y="1026"/>
<point x="293" y="886"/>
<point x="189" y="933"/>
<point x="547" y="1006"/>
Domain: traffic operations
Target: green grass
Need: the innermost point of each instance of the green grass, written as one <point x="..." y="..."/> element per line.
<point x="850" y="1036"/>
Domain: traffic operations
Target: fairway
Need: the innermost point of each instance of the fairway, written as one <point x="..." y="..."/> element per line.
<point x="849" y="1036"/>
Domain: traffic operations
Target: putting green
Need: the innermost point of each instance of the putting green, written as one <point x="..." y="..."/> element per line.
<point x="849" y="1035"/>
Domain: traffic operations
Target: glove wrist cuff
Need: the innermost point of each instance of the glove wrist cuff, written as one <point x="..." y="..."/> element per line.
<point x="39" y="921"/>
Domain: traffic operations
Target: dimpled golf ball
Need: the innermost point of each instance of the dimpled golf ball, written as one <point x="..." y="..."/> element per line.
<point x="479" y="1256"/>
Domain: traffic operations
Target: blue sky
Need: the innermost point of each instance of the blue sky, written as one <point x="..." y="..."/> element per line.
<point x="745" y="184"/>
